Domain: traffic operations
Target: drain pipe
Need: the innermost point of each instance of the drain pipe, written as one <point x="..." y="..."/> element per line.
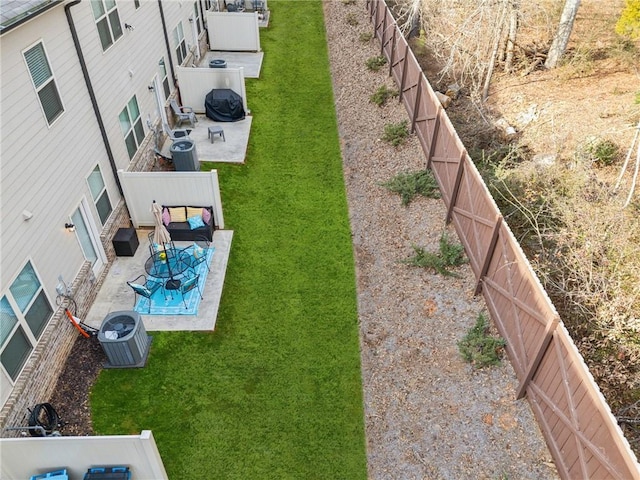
<point x="166" y="41"/>
<point x="92" y="95"/>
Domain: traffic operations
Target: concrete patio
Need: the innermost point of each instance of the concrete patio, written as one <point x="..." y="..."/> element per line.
<point x="115" y="294"/>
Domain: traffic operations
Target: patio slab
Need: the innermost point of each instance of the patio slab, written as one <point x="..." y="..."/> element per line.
<point x="250" y="61"/>
<point x="232" y="150"/>
<point x="115" y="294"/>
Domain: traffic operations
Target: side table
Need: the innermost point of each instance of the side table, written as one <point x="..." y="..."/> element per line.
<point x="125" y="242"/>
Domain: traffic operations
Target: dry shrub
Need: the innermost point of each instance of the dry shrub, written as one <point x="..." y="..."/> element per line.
<point x="586" y="250"/>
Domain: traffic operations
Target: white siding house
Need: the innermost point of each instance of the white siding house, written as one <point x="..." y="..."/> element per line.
<point x="80" y="83"/>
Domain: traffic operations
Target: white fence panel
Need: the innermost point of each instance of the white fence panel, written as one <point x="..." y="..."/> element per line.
<point x="195" y="83"/>
<point x="170" y="188"/>
<point x="233" y="31"/>
<point x="21" y="458"/>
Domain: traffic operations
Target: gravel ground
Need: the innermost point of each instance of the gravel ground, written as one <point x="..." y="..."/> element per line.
<point x="428" y="414"/>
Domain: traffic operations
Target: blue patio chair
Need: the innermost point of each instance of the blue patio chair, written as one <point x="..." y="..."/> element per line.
<point x="189" y="284"/>
<point x="155" y="247"/>
<point x="197" y="253"/>
<point x="144" y="287"/>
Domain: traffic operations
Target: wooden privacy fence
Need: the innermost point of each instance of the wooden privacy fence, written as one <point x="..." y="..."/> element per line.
<point x="580" y="430"/>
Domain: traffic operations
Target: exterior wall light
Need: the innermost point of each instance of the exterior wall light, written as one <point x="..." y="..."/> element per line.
<point x="70" y="227"/>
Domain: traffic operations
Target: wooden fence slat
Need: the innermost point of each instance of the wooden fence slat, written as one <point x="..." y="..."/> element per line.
<point x="416" y="107"/>
<point x="537" y="359"/>
<point x="393" y="50"/>
<point x="456" y="186"/>
<point x="404" y="72"/>
<point x="489" y="254"/>
<point x="434" y="136"/>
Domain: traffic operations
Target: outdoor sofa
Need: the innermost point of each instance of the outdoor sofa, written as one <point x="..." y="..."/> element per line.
<point x="186" y="223"/>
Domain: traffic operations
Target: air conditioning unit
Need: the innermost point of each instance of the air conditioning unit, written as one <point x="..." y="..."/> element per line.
<point x="124" y="340"/>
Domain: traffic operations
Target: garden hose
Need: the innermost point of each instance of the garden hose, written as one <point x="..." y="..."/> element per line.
<point x="44" y="416"/>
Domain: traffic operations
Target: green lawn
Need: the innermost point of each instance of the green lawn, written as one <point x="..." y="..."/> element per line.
<point x="275" y="391"/>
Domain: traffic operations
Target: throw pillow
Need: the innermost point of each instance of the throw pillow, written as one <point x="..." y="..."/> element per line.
<point x="144" y="290"/>
<point x="206" y="216"/>
<point x="166" y="218"/>
<point x="194" y="212"/>
<point x="198" y="251"/>
<point x="177" y="214"/>
<point x="195" y="222"/>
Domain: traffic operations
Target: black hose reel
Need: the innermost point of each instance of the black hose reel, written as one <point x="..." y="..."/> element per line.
<point x="44" y="421"/>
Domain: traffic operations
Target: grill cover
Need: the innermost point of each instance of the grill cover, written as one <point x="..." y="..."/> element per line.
<point x="224" y="105"/>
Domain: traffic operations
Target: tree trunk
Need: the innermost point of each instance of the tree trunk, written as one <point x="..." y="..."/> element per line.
<point x="561" y="39"/>
<point x="513" y="30"/>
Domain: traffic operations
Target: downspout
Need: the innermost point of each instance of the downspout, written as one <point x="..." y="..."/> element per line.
<point x="203" y="12"/>
<point x="92" y="95"/>
<point x="166" y="41"/>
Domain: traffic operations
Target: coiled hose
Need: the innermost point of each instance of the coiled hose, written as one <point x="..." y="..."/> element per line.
<point x="43" y="420"/>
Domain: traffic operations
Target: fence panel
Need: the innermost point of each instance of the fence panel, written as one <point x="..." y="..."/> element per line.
<point x="581" y="432"/>
<point x="517" y="303"/>
<point x="577" y="423"/>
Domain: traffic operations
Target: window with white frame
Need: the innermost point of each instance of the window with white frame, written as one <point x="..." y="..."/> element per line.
<point x="99" y="194"/>
<point x="196" y="17"/>
<point x="24" y="312"/>
<point x="181" y="44"/>
<point x="164" y="78"/>
<point x="44" y="82"/>
<point x="131" y="125"/>
<point x="105" y="13"/>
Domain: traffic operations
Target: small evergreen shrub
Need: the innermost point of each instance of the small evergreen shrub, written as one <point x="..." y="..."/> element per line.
<point x="375" y="63"/>
<point x="604" y="152"/>
<point x="396" y="133"/>
<point x="365" y="37"/>
<point x="479" y="348"/>
<point x="410" y="184"/>
<point x="382" y="94"/>
<point x="352" y="19"/>
<point x="449" y="255"/>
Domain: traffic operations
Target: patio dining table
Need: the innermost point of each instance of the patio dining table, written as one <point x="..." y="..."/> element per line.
<point x="174" y="262"/>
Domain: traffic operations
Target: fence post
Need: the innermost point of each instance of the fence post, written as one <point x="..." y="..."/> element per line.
<point x="404" y="73"/>
<point x="384" y="31"/>
<point x="456" y="186"/>
<point x="489" y="255"/>
<point x="375" y="18"/>
<point x="416" y="107"/>
<point x="393" y="51"/>
<point x="535" y="363"/>
<point x="432" y="144"/>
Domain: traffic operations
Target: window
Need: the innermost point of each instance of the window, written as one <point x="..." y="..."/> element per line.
<point x="99" y="194"/>
<point x="24" y="312"/>
<point x="181" y="44"/>
<point x="105" y="13"/>
<point x="164" y="78"/>
<point x="196" y="17"/>
<point x="131" y="125"/>
<point x="44" y="83"/>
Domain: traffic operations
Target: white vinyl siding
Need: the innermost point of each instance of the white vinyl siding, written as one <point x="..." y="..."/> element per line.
<point x="24" y="312"/>
<point x="99" y="194"/>
<point x="181" y="44"/>
<point x="44" y="83"/>
<point x="131" y="125"/>
<point x="105" y="13"/>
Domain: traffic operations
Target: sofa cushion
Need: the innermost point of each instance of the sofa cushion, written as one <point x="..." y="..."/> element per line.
<point x="166" y="216"/>
<point x="194" y="212"/>
<point x="178" y="214"/>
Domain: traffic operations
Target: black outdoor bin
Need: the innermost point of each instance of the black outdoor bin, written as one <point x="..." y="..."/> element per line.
<point x="185" y="157"/>
<point x="125" y="242"/>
